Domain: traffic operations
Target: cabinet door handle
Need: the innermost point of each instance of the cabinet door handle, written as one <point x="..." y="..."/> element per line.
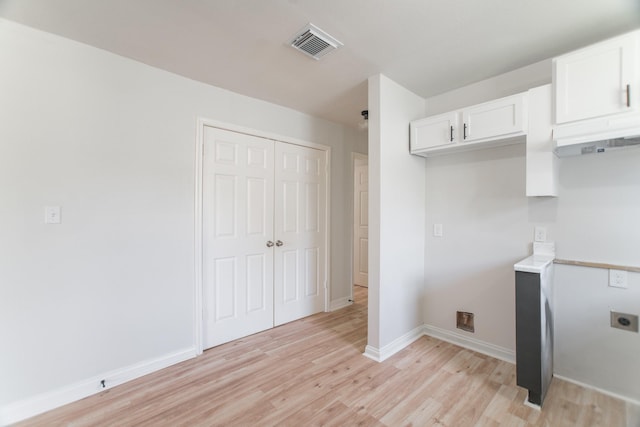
<point x="628" y="95"/>
<point x="451" y="134"/>
<point x="269" y="244"/>
<point x="464" y="131"/>
<point x="279" y="243"/>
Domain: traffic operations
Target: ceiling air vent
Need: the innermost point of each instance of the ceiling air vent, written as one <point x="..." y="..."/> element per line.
<point x="314" y="42"/>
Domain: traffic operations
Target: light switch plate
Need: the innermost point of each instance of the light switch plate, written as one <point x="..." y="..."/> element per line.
<point x="52" y="215"/>
<point x="437" y="230"/>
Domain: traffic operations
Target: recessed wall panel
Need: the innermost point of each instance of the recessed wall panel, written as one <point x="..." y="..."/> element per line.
<point x="225" y="288"/>
<point x="363" y="178"/>
<point x="226" y="153"/>
<point x="290" y="162"/>
<point x="290" y="197"/>
<point x="225" y="209"/>
<point x="290" y="277"/>
<point x="499" y="114"/>
<point x="312" y="166"/>
<point x="257" y="157"/>
<point x="364" y="208"/>
<point x="312" y="259"/>
<point x="256" y="206"/>
<point x="312" y="202"/>
<point x="364" y="256"/>
<point x="256" y="282"/>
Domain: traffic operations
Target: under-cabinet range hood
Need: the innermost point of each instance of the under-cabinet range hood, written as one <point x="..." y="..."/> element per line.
<point x="597" y="136"/>
<point x="597" y="146"/>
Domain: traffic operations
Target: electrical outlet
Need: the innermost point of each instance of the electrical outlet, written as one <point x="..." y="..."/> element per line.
<point x="618" y="279"/>
<point x="540" y="234"/>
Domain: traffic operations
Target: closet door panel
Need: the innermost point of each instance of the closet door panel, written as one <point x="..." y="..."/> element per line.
<point x="264" y="234"/>
<point x="238" y="185"/>
<point x="300" y="218"/>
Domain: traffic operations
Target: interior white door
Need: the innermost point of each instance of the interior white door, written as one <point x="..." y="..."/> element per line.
<point x="361" y="225"/>
<point x="300" y="222"/>
<point x="237" y="226"/>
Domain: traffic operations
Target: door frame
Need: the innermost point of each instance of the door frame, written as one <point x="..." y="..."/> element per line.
<point x="198" y="318"/>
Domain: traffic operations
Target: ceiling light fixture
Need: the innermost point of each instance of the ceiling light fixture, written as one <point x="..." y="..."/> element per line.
<point x="364" y="123"/>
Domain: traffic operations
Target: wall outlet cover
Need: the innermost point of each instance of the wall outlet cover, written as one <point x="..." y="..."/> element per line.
<point x="52" y="215"/>
<point x="618" y="279"/>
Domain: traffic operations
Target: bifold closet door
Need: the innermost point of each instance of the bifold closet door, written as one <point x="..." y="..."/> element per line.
<point x="264" y="238"/>
<point x="238" y="185"/>
<point x="300" y="222"/>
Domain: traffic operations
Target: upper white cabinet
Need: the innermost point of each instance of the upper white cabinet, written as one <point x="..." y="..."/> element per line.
<point x="436" y="131"/>
<point x="599" y="80"/>
<point x="491" y="123"/>
<point x="494" y="119"/>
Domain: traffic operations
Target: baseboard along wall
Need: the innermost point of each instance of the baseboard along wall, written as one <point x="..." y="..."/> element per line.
<point x="27" y="408"/>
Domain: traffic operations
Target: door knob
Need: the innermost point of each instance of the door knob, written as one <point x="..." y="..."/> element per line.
<point x="269" y="244"/>
<point x="279" y="243"/>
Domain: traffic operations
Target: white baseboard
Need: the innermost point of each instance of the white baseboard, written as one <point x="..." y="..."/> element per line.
<point x="340" y="303"/>
<point x="599" y="390"/>
<point x="372" y="353"/>
<point x="492" y="350"/>
<point x="394" y="346"/>
<point x="27" y="408"/>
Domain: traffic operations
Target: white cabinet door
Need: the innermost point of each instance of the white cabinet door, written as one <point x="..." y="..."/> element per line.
<point x="238" y="184"/>
<point x="434" y="131"/>
<point x="495" y="119"/>
<point x="598" y="80"/>
<point x="300" y="222"/>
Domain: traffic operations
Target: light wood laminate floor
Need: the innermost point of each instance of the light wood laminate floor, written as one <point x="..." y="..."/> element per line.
<point x="312" y="372"/>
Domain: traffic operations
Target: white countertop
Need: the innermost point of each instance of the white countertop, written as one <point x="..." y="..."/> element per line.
<point x="534" y="263"/>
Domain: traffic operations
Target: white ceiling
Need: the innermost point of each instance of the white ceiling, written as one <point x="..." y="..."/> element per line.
<point x="428" y="46"/>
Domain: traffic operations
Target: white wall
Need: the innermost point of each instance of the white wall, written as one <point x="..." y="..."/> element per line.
<point x="396" y="215"/>
<point x="515" y="81"/>
<point x="112" y="141"/>
<point x="587" y="349"/>
<point x="479" y="197"/>
<point x="375" y="178"/>
<point x="599" y="208"/>
<point x="597" y="220"/>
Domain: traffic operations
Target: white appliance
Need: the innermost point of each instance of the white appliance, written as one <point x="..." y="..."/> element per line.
<point x="597" y="136"/>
